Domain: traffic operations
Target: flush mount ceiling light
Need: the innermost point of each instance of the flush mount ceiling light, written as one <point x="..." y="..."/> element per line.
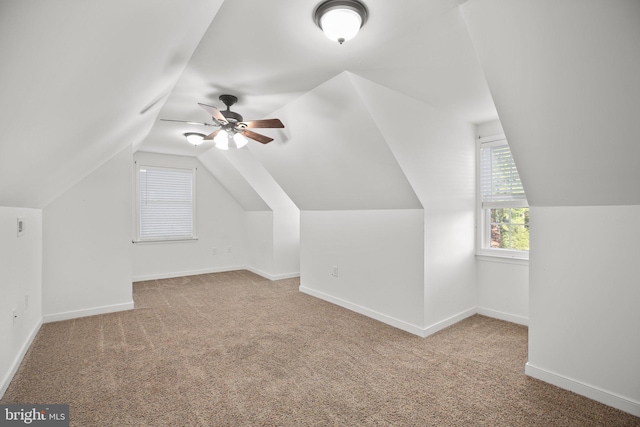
<point x="340" y="19"/>
<point x="194" y="138"/>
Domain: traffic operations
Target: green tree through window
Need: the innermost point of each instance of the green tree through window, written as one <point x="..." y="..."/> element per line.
<point x="510" y="228"/>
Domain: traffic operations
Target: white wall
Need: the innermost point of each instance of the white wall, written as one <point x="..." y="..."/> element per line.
<point x="20" y="275"/>
<point x="503" y="289"/>
<point x="437" y="155"/>
<point x="379" y="255"/>
<point x="490" y="128"/>
<point x="271" y="238"/>
<point x="449" y="265"/>
<point x="430" y="163"/>
<point x="220" y="225"/>
<point x="259" y="240"/>
<point x="87" y="244"/>
<point x="284" y="255"/>
<point x="584" y="315"/>
<point x="286" y="242"/>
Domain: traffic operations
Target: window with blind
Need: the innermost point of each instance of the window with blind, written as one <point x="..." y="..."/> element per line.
<point x="503" y="203"/>
<point x="166" y="203"/>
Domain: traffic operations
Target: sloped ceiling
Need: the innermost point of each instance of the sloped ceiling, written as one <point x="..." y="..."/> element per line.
<point x="436" y="64"/>
<point x="233" y="181"/>
<point x="564" y="78"/>
<point x="80" y="80"/>
<point x="271" y="53"/>
<point x="262" y="182"/>
<point x="332" y="156"/>
<point x="435" y="152"/>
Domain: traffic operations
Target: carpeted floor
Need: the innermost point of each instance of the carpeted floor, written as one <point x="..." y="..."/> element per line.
<point x="234" y="349"/>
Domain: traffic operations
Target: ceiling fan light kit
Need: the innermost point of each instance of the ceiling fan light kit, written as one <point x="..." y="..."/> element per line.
<point x="223" y="140"/>
<point x="340" y="20"/>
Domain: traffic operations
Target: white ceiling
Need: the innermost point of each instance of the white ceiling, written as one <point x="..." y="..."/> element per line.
<point x="268" y="53"/>
<point x="82" y="80"/>
<point x="567" y="87"/>
<point x="332" y="156"/>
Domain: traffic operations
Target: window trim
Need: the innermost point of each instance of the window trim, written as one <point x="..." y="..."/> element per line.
<point x="483" y="252"/>
<point x="137" y="238"/>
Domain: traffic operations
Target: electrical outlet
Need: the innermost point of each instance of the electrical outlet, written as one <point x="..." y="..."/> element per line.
<point x="214" y="251"/>
<point x="229" y="250"/>
<point x="334" y="271"/>
<point x="20" y="226"/>
<point x="26" y="301"/>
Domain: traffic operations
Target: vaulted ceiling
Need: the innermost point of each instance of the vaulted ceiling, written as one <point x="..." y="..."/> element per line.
<point x="270" y="53"/>
<point x="564" y="77"/>
<point x="81" y="80"/>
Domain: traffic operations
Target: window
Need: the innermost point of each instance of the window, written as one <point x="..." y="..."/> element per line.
<point x="165" y="201"/>
<point x="504" y="211"/>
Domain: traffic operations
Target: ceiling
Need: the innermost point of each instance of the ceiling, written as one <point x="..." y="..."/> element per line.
<point x="82" y="81"/>
<point x="271" y="53"/>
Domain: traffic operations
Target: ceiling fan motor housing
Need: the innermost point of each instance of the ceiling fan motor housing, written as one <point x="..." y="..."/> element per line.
<point x="229" y="100"/>
<point x="232" y="116"/>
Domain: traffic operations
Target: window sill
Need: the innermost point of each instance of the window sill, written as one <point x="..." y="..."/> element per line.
<point x="506" y="257"/>
<point x="163" y="241"/>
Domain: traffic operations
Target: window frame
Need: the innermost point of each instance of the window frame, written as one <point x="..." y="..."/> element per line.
<point x="483" y="216"/>
<point x="164" y="239"/>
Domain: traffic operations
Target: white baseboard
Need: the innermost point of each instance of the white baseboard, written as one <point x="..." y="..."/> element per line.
<point x="215" y="270"/>
<point x="187" y="273"/>
<point x="273" y="276"/>
<point x="430" y="330"/>
<point x="389" y="320"/>
<point x="392" y="321"/>
<point x="597" y="394"/>
<point x="520" y="320"/>
<point x="87" y="312"/>
<point x="4" y="385"/>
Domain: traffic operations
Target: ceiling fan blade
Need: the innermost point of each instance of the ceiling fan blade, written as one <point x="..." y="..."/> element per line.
<point x="214" y="112"/>
<point x="263" y="139"/>
<point x="266" y="123"/>
<point x="185" y="121"/>
<point x="211" y="135"/>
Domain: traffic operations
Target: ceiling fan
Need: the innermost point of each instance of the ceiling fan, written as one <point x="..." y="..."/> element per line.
<point x="233" y="131"/>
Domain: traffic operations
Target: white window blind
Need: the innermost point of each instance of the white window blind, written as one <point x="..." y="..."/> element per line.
<point x="500" y="185"/>
<point x="166" y="203"/>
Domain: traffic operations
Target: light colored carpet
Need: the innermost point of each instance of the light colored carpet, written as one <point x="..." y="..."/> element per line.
<point x="234" y="349"/>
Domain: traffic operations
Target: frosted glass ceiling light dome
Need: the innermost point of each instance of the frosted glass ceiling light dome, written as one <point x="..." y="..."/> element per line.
<point x="222" y="140"/>
<point x="194" y="138"/>
<point x="240" y="140"/>
<point x="340" y="19"/>
<point x="229" y="139"/>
